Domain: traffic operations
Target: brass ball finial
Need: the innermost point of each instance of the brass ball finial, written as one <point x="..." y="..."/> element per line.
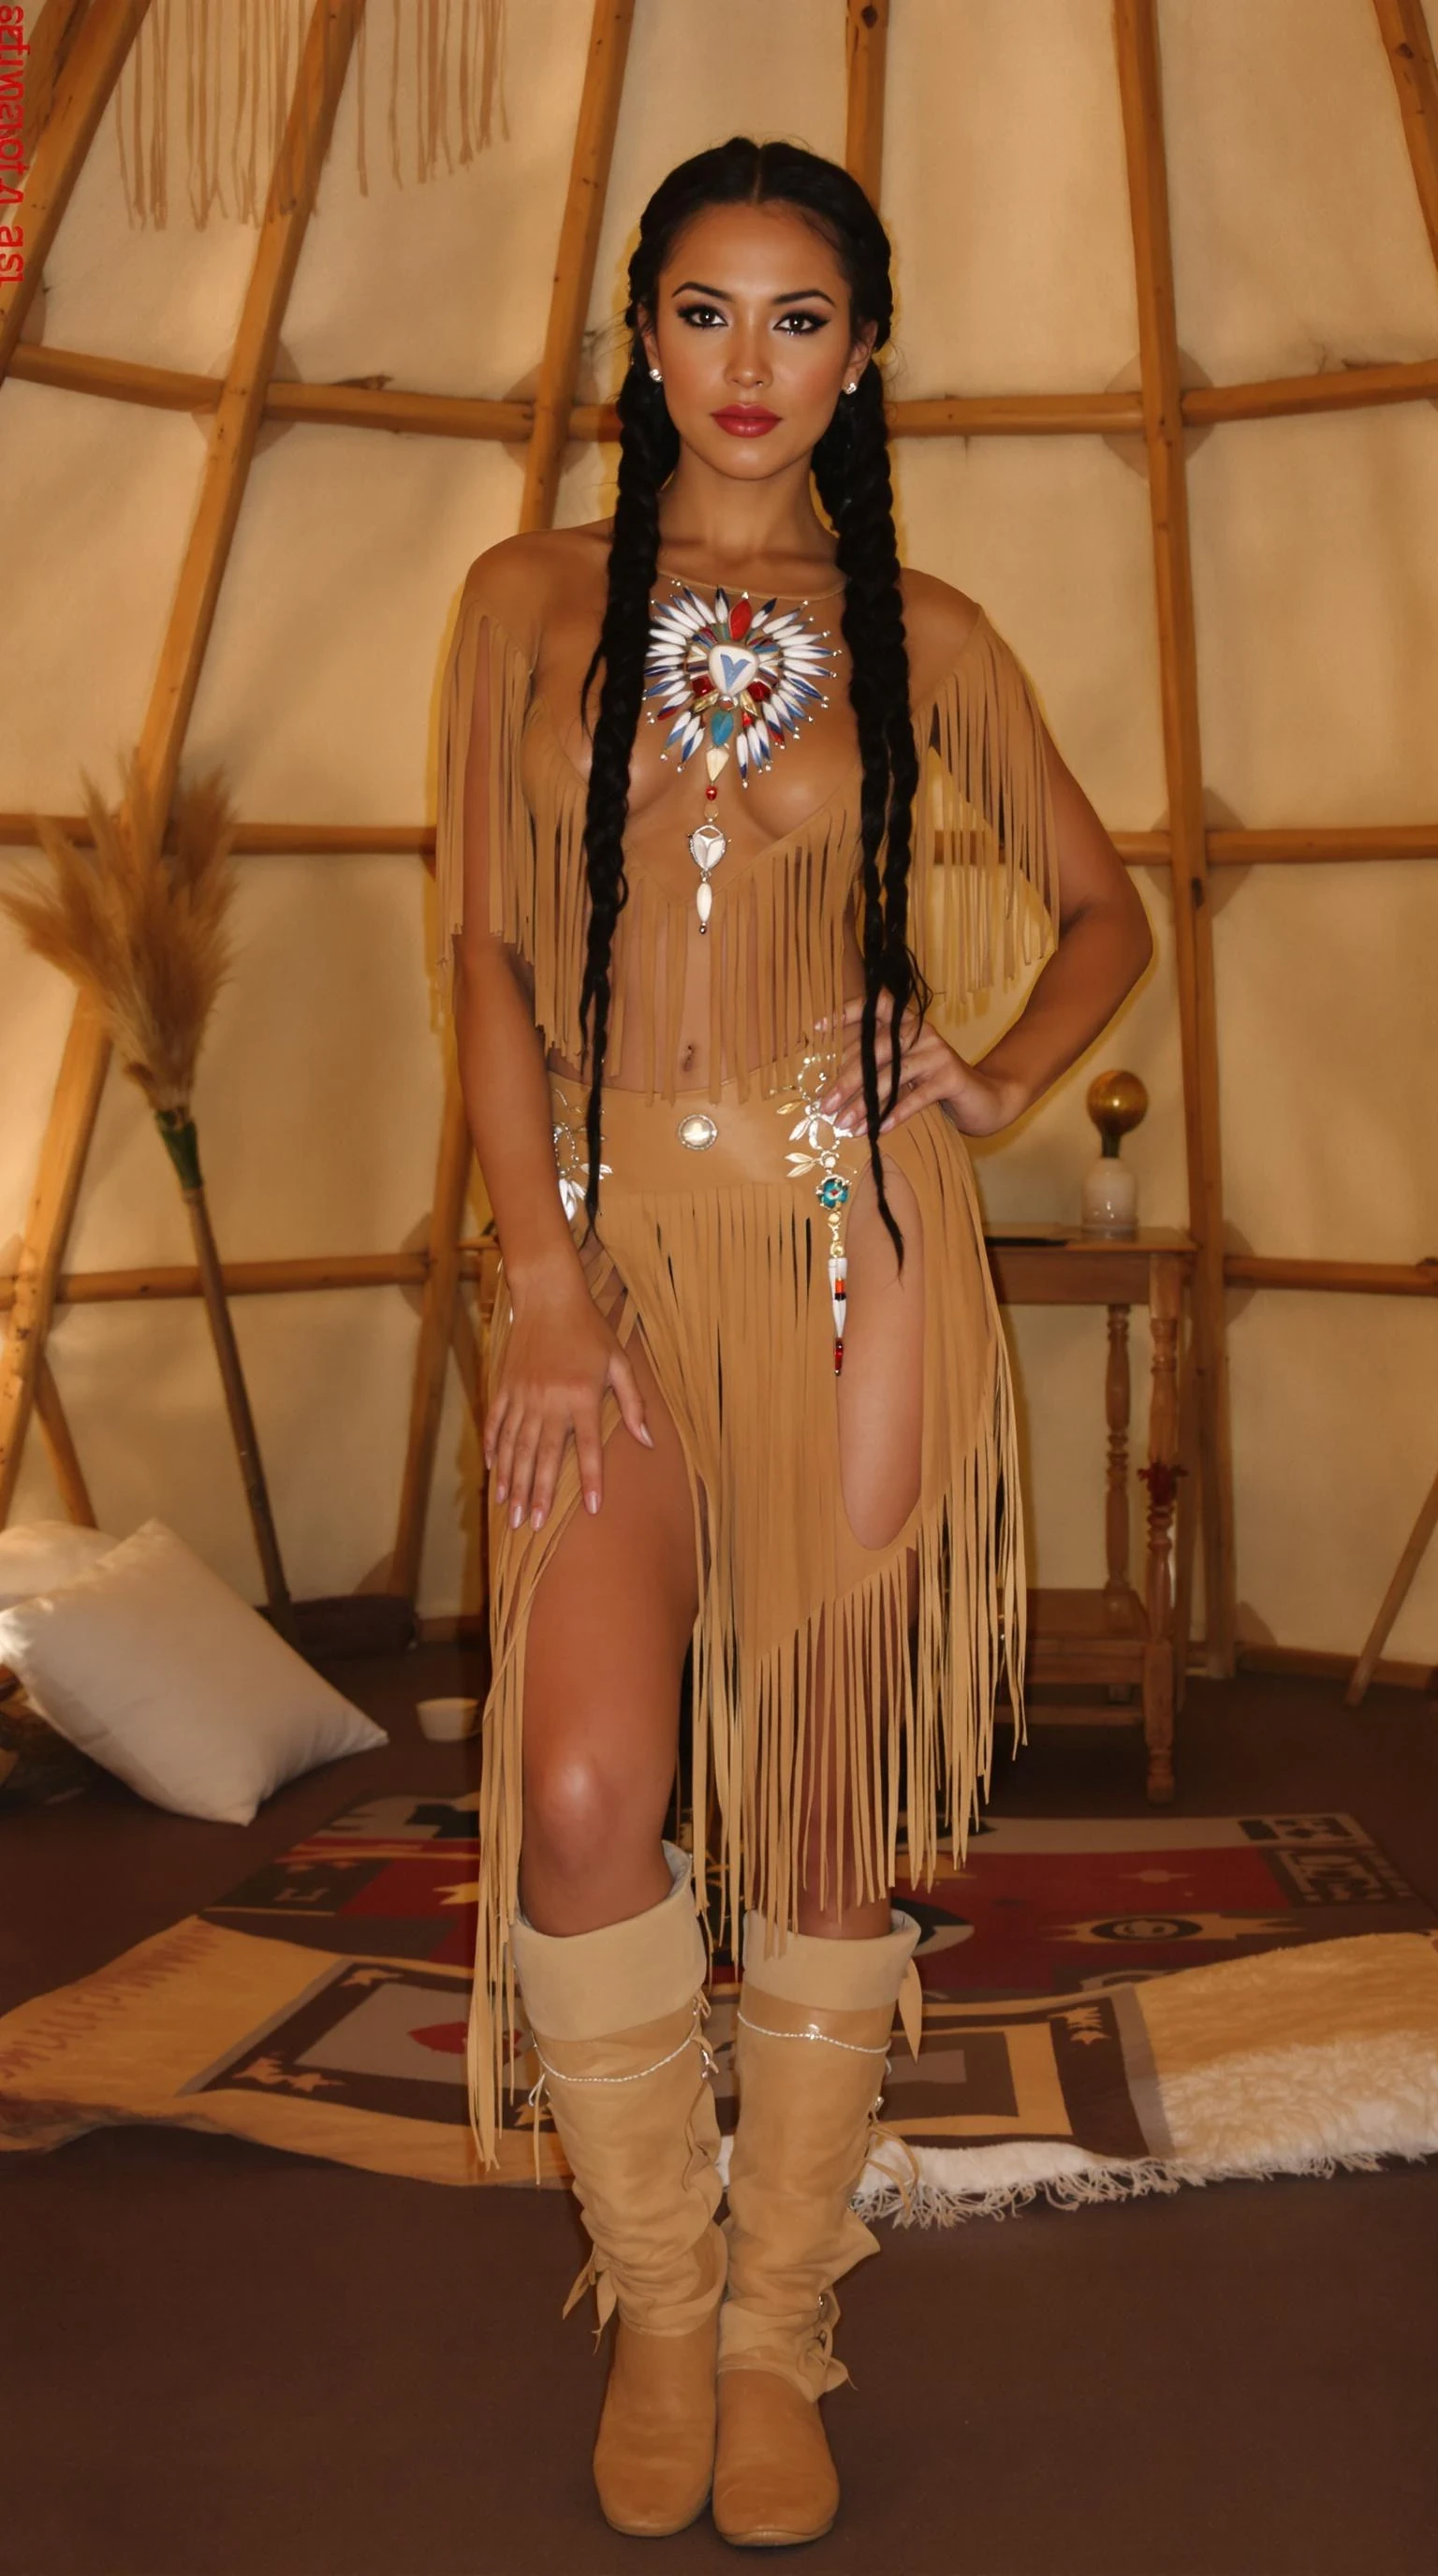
<point x="1116" y="1103"/>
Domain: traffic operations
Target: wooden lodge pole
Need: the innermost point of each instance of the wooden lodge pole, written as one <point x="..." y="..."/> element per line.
<point x="1136" y="44"/>
<point x="1409" y="47"/>
<point x="553" y="402"/>
<point x="89" y="75"/>
<point x="82" y="90"/>
<point x="866" y="35"/>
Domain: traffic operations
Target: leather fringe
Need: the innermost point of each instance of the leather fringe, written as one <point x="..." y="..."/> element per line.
<point x="795" y="1617"/>
<point x="240" y="64"/>
<point x="985" y="873"/>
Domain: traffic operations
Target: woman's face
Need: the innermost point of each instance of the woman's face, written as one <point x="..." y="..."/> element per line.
<point x="751" y="330"/>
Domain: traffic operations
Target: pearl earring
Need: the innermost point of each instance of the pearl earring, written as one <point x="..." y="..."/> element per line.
<point x="853" y="388"/>
<point x="656" y="375"/>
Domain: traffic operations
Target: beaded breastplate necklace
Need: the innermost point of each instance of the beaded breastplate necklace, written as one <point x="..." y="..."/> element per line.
<point x="738" y="679"/>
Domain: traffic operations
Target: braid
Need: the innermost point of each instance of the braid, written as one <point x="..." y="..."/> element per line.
<point x="649" y="446"/>
<point x="851" y="470"/>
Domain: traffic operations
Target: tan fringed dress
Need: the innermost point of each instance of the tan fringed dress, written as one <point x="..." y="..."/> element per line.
<point x="717" y="1256"/>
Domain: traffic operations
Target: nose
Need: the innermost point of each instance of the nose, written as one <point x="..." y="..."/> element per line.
<point x="749" y="364"/>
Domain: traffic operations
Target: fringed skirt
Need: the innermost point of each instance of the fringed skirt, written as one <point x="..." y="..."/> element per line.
<point x="714" y="1247"/>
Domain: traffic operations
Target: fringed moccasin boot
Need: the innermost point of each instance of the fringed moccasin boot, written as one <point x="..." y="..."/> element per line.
<point x="616" y="2019"/>
<point x="812" y="2041"/>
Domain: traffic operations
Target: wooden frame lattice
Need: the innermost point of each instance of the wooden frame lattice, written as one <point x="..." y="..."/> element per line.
<point x="87" y="46"/>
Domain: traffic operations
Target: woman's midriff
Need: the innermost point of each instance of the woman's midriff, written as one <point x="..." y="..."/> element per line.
<point x="625" y="1068"/>
<point x="697" y="1142"/>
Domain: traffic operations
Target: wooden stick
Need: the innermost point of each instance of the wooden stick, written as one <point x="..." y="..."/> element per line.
<point x="156" y="1283"/>
<point x="1117" y="1408"/>
<point x="1324" y="845"/>
<point x="1409" y="48"/>
<point x="47" y="1224"/>
<point x="578" y="248"/>
<point x="237" y="1406"/>
<point x="160" y="1284"/>
<point x="866" y="39"/>
<point x="64" y="1458"/>
<point x="1341" y="1278"/>
<point x="1165" y="1304"/>
<point x="1084" y="415"/>
<point x="232" y="437"/>
<point x="553" y="402"/>
<point x="1336" y="389"/>
<point x="82" y="90"/>
<point x="1395" y="1596"/>
<point x="48" y="39"/>
<point x="241" y="405"/>
<point x="1136" y="40"/>
<point x="127" y="380"/>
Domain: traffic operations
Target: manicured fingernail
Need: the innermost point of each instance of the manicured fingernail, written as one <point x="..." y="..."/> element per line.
<point x="536" y="1517"/>
<point x="500" y="1492"/>
<point x="646" y="1435"/>
<point x="516" y="1514"/>
<point x="591" y="1502"/>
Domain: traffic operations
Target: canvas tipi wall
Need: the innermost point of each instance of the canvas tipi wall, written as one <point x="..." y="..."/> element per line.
<point x="1165" y="379"/>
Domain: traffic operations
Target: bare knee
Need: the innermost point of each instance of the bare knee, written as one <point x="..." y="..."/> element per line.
<point x="591" y="1838"/>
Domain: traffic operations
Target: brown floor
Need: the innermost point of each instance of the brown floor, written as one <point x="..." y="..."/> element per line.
<point x="222" y="2361"/>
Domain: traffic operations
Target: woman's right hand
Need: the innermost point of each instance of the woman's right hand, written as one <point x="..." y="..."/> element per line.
<point x="560" y="1356"/>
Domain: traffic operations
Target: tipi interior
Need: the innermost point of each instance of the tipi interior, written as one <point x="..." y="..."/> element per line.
<point x="304" y="304"/>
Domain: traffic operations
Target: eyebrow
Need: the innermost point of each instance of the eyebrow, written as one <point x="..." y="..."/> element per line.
<point x="696" y="286"/>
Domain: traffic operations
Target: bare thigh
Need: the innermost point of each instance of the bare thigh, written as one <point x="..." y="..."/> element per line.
<point x="609" y="1627"/>
<point x="880" y="1398"/>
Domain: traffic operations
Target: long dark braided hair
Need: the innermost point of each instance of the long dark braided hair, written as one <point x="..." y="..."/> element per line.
<point x="851" y="472"/>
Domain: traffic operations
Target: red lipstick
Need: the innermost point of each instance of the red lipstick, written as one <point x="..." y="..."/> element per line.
<point x="746" y="420"/>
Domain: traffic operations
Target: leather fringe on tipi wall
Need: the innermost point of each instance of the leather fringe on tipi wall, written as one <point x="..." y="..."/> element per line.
<point x="229" y="68"/>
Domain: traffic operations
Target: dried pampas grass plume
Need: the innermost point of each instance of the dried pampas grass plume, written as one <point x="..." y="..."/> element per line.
<point x="142" y="930"/>
<point x="144" y="933"/>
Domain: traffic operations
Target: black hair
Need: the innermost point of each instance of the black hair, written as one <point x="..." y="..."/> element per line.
<point x="851" y="472"/>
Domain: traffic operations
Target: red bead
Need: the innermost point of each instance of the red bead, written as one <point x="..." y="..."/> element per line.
<point x="759" y="691"/>
<point x="710" y="794"/>
<point x="739" y="617"/>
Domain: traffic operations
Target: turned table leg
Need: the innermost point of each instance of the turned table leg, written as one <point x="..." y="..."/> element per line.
<point x="1116" y="1408"/>
<point x="1160" y="1476"/>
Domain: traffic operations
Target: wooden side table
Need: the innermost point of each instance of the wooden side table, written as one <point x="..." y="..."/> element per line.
<point x="1112" y="1635"/>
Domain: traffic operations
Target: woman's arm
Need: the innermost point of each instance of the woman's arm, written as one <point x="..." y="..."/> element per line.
<point x="1104" y="944"/>
<point x="560" y="1354"/>
<point x="1103" y="947"/>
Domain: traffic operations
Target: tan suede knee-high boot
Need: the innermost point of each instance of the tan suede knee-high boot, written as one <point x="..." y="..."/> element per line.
<point x="615" y="2017"/>
<point x="813" y="2036"/>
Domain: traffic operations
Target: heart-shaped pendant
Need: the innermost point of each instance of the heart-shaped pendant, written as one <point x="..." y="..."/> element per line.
<point x="731" y="669"/>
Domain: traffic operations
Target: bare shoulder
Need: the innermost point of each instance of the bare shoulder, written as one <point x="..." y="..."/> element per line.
<point x="523" y="579"/>
<point x="938" y="622"/>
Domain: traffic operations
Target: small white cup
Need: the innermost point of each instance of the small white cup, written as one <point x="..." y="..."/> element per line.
<point x="444" y="1721"/>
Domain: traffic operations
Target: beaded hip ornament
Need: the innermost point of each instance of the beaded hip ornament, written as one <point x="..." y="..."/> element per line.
<point x="816" y="1132"/>
<point x="741" y="677"/>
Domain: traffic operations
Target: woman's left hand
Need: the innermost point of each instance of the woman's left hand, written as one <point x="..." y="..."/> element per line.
<point x="932" y="1074"/>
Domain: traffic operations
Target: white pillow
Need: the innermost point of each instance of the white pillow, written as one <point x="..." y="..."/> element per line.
<point x="39" y="1555"/>
<point x="157" y="1670"/>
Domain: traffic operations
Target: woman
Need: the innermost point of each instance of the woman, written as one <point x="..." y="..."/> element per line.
<point x="752" y="1330"/>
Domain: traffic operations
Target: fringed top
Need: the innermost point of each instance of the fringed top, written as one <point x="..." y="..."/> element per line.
<point x="984" y="899"/>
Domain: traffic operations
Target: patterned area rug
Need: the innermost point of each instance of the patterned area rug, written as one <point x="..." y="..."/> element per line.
<point x="1112" y="2006"/>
